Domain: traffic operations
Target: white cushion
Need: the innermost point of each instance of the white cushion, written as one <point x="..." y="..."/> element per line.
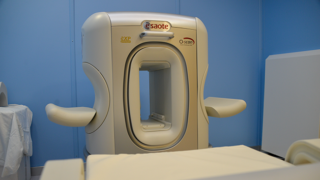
<point x="192" y="164"/>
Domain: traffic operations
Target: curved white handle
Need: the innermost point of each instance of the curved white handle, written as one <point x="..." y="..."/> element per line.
<point x="304" y="152"/>
<point x="74" y="117"/>
<point x="223" y="107"/>
<point x="156" y="34"/>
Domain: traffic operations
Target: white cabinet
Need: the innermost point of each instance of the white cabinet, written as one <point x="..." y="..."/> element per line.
<point x="291" y="100"/>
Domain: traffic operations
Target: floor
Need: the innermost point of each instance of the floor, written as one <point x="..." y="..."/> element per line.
<point x="35" y="177"/>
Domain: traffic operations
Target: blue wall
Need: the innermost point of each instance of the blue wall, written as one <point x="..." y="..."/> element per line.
<point x="40" y="59"/>
<point x="288" y="26"/>
<point x="35" y="67"/>
<point x="233" y="31"/>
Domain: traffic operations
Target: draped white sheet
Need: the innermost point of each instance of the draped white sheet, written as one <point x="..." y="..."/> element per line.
<point x="15" y="138"/>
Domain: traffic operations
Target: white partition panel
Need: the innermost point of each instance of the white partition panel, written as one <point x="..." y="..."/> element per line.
<point x="291" y="100"/>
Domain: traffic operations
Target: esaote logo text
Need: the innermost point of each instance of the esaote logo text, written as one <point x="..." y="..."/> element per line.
<point x="156" y="25"/>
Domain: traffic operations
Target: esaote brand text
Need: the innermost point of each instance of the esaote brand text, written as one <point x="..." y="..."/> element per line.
<point x="156" y="25"/>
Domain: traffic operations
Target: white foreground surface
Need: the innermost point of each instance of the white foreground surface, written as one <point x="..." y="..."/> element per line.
<point x="236" y="162"/>
<point x="192" y="164"/>
<point x="63" y="170"/>
<point x="309" y="172"/>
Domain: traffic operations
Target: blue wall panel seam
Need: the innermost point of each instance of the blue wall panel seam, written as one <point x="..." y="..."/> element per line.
<point x="73" y="72"/>
<point x="261" y="79"/>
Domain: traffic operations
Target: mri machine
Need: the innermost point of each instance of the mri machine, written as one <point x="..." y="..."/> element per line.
<point x="116" y="46"/>
<point x="174" y="50"/>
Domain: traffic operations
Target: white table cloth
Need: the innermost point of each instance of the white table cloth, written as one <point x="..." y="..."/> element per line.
<point x="15" y="138"/>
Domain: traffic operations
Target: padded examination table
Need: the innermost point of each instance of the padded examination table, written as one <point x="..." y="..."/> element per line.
<point x="212" y="163"/>
<point x="193" y="164"/>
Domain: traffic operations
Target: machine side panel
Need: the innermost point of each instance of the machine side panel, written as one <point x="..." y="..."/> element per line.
<point x="189" y="51"/>
<point x="96" y="46"/>
<point x="202" y="59"/>
<point x="123" y="42"/>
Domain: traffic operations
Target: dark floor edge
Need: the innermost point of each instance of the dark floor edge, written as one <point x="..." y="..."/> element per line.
<point x="258" y="148"/>
<point x="36" y="171"/>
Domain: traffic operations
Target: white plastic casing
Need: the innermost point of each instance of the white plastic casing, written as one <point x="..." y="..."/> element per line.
<point x="105" y="56"/>
<point x="202" y="60"/>
<point x="97" y="64"/>
<point x="223" y="107"/>
<point x="73" y="117"/>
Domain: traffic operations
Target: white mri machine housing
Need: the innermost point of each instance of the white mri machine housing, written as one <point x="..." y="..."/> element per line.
<point x="174" y="49"/>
